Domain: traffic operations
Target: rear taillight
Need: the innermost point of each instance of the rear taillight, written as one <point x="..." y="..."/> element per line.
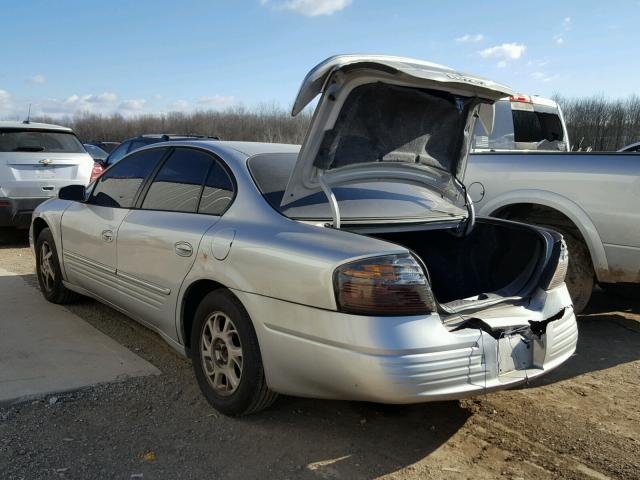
<point x="96" y="171"/>
<point x="560" y="271"/>
<point x="387" y="285"/>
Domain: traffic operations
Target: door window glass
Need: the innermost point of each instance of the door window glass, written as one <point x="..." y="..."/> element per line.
<point x="118" y="186"/>
<point x="217" y="193"/>
<point x="179" y="182"/>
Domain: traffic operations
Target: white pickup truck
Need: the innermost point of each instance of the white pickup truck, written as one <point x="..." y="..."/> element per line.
<point x="523" y="170"/>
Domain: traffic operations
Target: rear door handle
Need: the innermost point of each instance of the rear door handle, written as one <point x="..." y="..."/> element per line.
<point x="107" y="236"/>
<point x="183" y="249"/>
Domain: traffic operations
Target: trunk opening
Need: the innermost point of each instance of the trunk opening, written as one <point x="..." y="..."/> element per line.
<point x="497" y="261"/>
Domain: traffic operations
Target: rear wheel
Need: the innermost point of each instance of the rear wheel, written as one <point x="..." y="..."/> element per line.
<point x="49" y="272"/>
<point x="580" y="277"/>
<point x="226" y="356"/>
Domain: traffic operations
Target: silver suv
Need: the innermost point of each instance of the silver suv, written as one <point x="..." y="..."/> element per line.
<point x="36" y="160"/>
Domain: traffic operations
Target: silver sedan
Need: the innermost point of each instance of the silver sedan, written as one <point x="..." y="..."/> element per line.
<point x="352" y="267"/>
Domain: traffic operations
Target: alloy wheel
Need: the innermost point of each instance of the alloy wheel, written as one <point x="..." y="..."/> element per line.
<point x="47" y="271"/>
<point x="221" y="353"/>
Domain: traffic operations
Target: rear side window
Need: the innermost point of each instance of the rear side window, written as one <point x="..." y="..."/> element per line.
<point x="29" y="140"/>
<point x="217" y="193"/>
<point x="178" y="185"/>
<point x="119" y="185"/>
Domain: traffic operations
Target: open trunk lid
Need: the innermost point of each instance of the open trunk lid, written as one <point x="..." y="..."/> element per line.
<point x="383" y="119"/>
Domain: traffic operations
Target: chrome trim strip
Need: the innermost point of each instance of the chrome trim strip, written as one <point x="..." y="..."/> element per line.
<point x="88" y="262"/>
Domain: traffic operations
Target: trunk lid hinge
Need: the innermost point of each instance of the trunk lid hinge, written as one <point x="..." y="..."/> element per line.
<point x="333" y="202"/>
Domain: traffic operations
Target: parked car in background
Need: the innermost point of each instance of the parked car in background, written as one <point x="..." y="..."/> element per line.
<point x="106" y="146"/>
<point x="36" y="159"/>
<point x="524" y="122"/>
<point x="99" y="158"/>
<point x="633" y="148"/>
<point x="131" y="144"/>
<point x="592" y="198"/>
<point x="96" y="153"/>
<point x="350" y="268"/>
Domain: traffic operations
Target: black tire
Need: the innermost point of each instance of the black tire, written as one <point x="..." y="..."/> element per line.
<point x="251" y="393"/>
<point x="50" y="278"/>
<point x="622" y="290"/>
<point x="580" y="275"/>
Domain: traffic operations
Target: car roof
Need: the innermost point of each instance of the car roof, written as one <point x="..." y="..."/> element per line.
<point x="231" y="148"/>
<point x="33" y="126"/>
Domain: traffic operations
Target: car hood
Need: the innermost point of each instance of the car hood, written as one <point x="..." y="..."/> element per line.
<point x="383" y="118"/>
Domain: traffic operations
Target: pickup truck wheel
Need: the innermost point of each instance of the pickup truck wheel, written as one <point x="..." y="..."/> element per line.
<point x="580" y="274"/>
<point x="622" y="290"/>
<point x="226" y="356"/>
<point x="49" y="272"/>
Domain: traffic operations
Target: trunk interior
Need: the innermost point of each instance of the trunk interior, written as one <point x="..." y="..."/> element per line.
<point x="497" y="260"/>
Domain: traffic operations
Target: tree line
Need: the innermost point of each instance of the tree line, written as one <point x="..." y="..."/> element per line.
<point x="594" y="123"/>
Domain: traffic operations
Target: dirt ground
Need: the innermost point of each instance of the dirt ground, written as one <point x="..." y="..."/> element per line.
<point x="581" y="421"/>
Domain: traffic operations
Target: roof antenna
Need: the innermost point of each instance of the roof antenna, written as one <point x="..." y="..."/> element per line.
<point x="28" y="120"/>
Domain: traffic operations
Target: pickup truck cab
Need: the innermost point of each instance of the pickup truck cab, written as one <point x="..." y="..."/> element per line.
<point x="36" y="160"/>
<point x="524" y="122"/>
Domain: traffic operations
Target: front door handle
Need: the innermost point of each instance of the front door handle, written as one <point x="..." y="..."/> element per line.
<point x="107" y="236"/>
<point x="183" y="249"/>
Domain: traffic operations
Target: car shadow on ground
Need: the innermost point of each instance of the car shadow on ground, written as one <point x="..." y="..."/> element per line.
<point x="13" y="238"/>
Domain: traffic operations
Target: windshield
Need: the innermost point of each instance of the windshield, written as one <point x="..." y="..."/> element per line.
<point x="31" y="140"/>
<point x="96" y="152"/>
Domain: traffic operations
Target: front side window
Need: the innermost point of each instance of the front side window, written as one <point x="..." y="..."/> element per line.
<point x="179" y="182"/>
<point x="119" y="185"/>
<point x="31" y="140"/>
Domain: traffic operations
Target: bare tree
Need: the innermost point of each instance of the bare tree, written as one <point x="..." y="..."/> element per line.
<point x="595" y="122"/>
<point x="600" y="123"/>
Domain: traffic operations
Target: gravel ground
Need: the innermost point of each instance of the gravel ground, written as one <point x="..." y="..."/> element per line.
<point x="581" y="421"/>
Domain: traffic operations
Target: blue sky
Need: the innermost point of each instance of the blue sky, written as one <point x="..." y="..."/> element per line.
<point x="143" y="56"/>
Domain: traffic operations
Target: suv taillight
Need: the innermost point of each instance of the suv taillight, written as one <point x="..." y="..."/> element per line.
<point x="96" y="171"/>
<point x="386" y="285"/>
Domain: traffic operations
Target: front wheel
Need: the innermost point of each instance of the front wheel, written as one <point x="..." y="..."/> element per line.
<point x="226" y="356"/>
<point x="49" y="272"/>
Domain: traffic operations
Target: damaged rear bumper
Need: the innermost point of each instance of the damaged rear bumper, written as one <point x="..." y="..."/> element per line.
<point x="318" y="353"/>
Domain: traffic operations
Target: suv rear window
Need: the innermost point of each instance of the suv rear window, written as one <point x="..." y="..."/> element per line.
<point x="30" y="140"/>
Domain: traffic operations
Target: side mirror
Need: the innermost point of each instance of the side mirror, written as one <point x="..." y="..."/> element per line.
<point x="75" y="193"/>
